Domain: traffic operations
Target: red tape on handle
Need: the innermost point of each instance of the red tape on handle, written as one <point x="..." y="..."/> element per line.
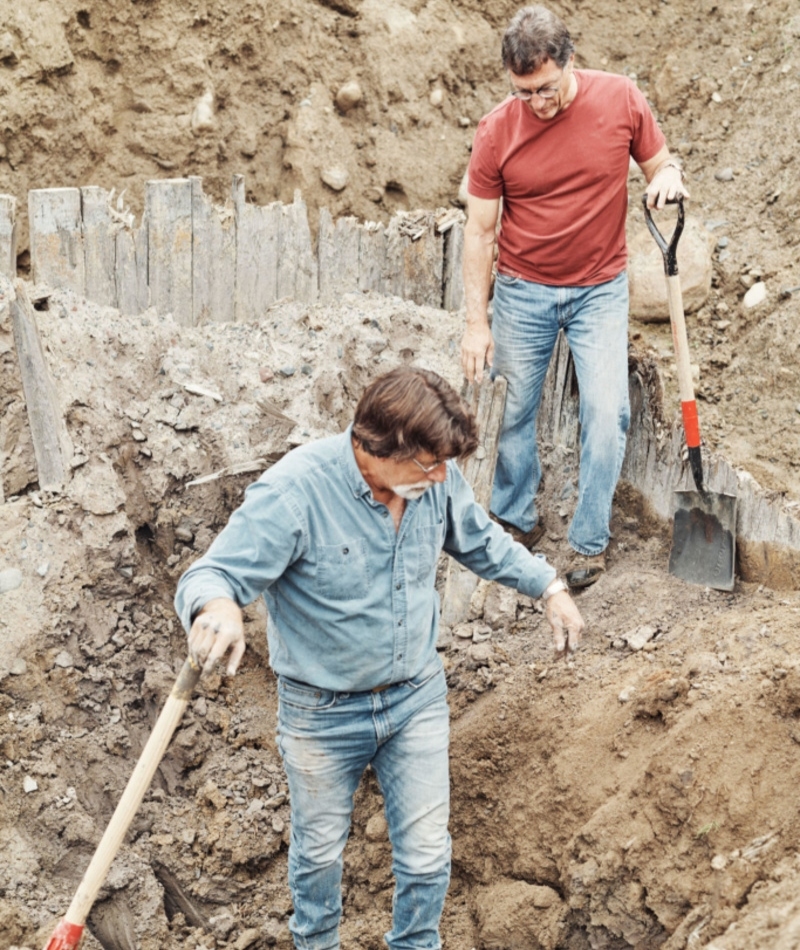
<point x="66" y="936"/>
<point x="691" y="425"/>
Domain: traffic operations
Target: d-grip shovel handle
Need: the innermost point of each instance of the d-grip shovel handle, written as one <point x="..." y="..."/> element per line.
<point x="669" y="249"/>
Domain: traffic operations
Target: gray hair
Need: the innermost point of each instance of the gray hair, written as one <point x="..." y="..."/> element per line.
<point x="534" y="36"/>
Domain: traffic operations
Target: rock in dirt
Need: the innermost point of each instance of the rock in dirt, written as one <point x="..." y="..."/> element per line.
<point x="10" y="579"/>
<point x="755" y="295"/>
<point x="637" y="638"/>
<point x="335" y="178"/>
<point x="518" y="914"/>
<point x="648" y="288"/>
<point x="349" y="96"/>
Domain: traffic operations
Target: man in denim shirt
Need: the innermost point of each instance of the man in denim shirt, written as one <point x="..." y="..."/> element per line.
<point x="342" y="537"/>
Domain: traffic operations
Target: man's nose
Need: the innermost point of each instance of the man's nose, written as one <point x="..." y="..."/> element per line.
<point x="438" y="474"/>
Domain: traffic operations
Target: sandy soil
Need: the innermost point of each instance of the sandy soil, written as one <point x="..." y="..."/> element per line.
<point x="639" y="796"/>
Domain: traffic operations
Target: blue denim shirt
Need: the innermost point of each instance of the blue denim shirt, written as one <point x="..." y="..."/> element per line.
<point x="351" y="601"/>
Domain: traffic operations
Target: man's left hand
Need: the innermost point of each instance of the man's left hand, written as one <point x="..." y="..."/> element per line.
<point x="666" y="185"/>
<point x="566" y="621"/>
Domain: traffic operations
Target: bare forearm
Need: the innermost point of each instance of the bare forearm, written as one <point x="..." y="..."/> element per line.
<point x="478" y="259"/>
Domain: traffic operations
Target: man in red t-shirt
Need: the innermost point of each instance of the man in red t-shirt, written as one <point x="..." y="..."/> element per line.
<point x="557" y="152"/>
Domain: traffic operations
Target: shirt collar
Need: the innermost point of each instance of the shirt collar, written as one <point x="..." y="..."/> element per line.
<point x="355" y="480"/>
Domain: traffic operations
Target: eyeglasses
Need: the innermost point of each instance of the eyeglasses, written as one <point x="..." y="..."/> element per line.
<point x="427" y="469"/>
<point x="545" y="92"/>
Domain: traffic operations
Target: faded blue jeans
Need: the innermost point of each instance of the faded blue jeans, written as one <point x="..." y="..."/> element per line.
<point x="327" y="739"/>
<point x="527" y="318"/>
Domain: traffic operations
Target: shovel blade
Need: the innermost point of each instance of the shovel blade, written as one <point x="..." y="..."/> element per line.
<point x="704" y="539"/>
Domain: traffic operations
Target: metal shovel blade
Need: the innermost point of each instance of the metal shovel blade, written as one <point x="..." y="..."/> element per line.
<point x="704" y="539"/>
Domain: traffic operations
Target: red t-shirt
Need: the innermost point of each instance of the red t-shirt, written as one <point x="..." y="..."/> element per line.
<point x="564" y="181"/>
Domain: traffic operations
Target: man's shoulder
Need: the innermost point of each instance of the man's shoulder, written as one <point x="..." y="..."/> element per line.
<point x="598" y="77"/>
<point x="313" y="460"/>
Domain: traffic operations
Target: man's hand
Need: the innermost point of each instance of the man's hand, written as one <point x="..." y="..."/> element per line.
<point x="477" y="350"/>
<point x="218" y="627"/>
<point x="566" y="621"/>
<point x="665" y="185"/>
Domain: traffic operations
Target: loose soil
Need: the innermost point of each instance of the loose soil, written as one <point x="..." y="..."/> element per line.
<point x="628" y="798"/>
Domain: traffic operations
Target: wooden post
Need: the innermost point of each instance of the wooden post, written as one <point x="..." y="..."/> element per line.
<point x="257" y="232"/>
<point x="297" y="263"/>
<point x="338" y="256"/>
<point x="453" y="278"/>
<point x="51" y="444"/>
<point x="133" y="294"/>
<point x="488" y="402"/>
<point x="168" y="210"/>
<point x="99" y="246"/>
<point x="8" y="236"/>
<point x="57" y="252"/>
<point x="414" y="257"/>
<point x="372" y="258"/>
<point x="213" y="258"/>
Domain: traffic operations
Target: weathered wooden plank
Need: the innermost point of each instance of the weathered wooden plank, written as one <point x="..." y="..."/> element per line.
<point x="415" y="258"/>
<point x="338" y="248"/>
<point x="99" y="246"/>
<point x="488" y="402"/>
<point x="372" y="258"/>
<point x="51" y="443"/>
<point x="453" y="260"/>
<point x="213" y="259"/>
<point x="133" y="294"/>
<point x="8" y="236"/>
<point x="57" y="255"/>
<point x="257" y="237"/>
<point x="297" y="262"/>
<point x="168" y="211"/>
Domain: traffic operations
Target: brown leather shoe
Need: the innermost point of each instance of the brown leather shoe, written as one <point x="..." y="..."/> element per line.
<point x="528" y="539"/>
<point x="585" y="570"/>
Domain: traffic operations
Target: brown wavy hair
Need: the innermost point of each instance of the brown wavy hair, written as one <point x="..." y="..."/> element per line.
<point x="533" y="36"/>
<point x="410" y="410"/>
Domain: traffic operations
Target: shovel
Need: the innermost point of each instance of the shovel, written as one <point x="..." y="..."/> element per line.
<point x="704" y="530"/>
<point x="69" y="929"/>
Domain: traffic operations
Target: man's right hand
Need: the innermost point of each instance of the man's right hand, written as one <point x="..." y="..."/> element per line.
<point x="477" y="350"/>
<point x="218" y="627"/>
<point x="566" y="621"/>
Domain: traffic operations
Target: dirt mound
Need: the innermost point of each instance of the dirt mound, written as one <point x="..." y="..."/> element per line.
<point x="643" y="795"/>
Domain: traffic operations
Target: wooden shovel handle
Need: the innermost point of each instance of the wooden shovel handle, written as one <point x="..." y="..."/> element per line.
<point x="138" y="784"/>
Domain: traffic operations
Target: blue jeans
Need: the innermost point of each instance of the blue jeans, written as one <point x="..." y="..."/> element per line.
<point x="327" y="740"/>
<point x="527" y="318"/>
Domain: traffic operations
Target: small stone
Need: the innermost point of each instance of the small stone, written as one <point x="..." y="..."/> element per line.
<point x="336" y="178"/>
<point x="464" y="122"/>
<point x="723" y="242"/>
<point x="184" y="533"/>
<point x="640" y="636"/>
<point x="464" y="630"/>
<point x="377" y="829"/>
<point x="138" y="435"/>
<point x="64" y="660"/>
<point x="724" y="174"/>
<point x="10" y="579"/>
<point x="19" y="667"/>
<point x="349" y="96"/>
<point x="287" y="371"/>
<point x="43" y="568"/>
<point x="247" y="938"/>
<point x="626" y="694"/>
<point x="719" y="862"/>
<point x="436" y="97"/>
<point x="756" y="295"/>
<point x="278" y="824"/>
<point x="716" y="97"/>
<point x="29" y="785"/>
<point x="480" y="653"/>
<point x="265" y="374"/>
<point x="203" y="113"/>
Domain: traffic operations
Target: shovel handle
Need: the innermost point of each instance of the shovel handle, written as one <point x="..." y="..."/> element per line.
<point x="691" y="424"/>
<point x="668" y="248"/>
<point x="138" y="784"/>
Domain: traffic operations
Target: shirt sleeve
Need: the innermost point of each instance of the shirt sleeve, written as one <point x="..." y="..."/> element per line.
<point x="647" y="139"/>
<point x="262" y="538"/>
<point x="480" y="544"/>
<point x="485" y="178"/>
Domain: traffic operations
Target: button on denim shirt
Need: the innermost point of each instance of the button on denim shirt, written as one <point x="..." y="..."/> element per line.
<point x="351" y="601"/>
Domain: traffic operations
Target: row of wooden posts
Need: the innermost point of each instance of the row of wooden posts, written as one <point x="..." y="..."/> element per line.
<point x="203" y="262"/>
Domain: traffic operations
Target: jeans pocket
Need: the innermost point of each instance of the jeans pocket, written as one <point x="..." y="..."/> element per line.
<point x="425" y="677"/>
<point x="304" y="696"/>
<point x="506" y="279"/>
<point x="343" y="570"/>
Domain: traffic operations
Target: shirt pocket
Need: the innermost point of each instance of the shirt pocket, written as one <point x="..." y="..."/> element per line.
<point x="429" y="542"/>
<point x="343" y="570"/>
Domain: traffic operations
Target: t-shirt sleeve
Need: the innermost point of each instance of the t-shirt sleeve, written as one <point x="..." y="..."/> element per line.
<point x="648" y="139"/>
<point x="485" y="180"/>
